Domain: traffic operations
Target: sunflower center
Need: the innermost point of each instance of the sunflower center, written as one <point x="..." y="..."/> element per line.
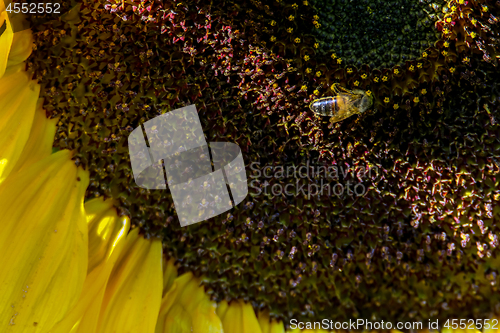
<point x="378" y="33"/>
<point x="105" y="72"/>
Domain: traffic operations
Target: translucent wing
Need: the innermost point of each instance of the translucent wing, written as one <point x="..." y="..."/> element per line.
<point x="338" y="89"/>
<point x="348" y="108"/>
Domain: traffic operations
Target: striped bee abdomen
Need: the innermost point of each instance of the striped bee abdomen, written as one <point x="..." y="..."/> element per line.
<point x="327" y="106"/>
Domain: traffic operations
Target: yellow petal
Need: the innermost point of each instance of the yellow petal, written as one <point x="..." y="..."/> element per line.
<point x="107" y="233"/>
<point x="187" y="299"/>
<point x="6" y="39"/>
<point x="178" y="321"/>
<point x="40" y="140"/>
<point x="238" y="317"/>
<point x="133" y="294"/>
<point x="169" y="275"/>
<point x="22" y="45"/>
<point x="18" y="102"/>
<point x="43" y="243"/>
<point x="270" y="326"/>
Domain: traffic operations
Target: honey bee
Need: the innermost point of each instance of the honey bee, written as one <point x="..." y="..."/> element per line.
<point x="344" y="104"/>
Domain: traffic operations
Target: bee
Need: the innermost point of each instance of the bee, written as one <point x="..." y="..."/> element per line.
<point x="344" y="104"/>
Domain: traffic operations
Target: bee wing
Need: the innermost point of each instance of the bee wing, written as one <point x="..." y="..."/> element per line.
<point x="335" y="88"/>
<point x="348" y="110"/>
<point x="338" y="89"/>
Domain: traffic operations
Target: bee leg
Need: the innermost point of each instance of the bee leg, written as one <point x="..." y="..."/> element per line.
<point x="344" y="89"/>
<point x="335" y="88"/>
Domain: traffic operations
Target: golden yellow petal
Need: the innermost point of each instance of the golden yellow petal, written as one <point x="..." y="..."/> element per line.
<point x="107" y="234"/>
<point x="18" y="102"/>
<point x="270" y="326"/>
<point x="43" y="243"/>
<point x="178" y="321"/>
<point x="187" y="298"/>
<point x="40" y="140"/>
<point x="133" y="294"/>
<point x="205" y="318"/>
<point x="169" y="275"/>
<point x="238" y="317"/>
<point x="6" y="39"/>
<point x="22" y="46"/>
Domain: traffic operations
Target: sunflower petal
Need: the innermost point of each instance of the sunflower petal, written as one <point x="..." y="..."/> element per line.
<point x="18" y="102"/>
<point x="270" y="326"/>
<point x="133" y="294"/>
<point x="238" y="317"/>
<point x="187" y="299"/>
<point x="22" y="46"/>
<point x="6" y="39"/>
<point x="40" y="140"/>
<point x="169" y="275"/>
<point x="107" y="233"/>
<point x="43" y="243"/>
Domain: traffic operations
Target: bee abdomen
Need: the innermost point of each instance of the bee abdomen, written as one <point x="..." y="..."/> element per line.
<point x="324" y="106"/>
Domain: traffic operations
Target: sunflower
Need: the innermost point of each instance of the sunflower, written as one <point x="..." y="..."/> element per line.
<point x="75" y="266"/>
<point x="421" y="243"/>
